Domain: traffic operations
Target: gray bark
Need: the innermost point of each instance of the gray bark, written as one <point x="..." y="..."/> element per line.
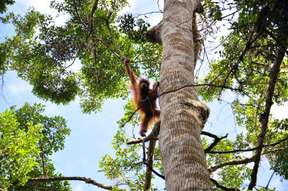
<point x="182" y="114"/>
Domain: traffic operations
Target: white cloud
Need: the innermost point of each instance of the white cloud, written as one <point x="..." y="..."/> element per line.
<point x="41" y="6"/>
<point x="128" y="8"/>
<point x="280" y="111"/>
<point x="76" y="66"/>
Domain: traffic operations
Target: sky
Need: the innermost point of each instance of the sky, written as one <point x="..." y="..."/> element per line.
<point x="91" y="134"/>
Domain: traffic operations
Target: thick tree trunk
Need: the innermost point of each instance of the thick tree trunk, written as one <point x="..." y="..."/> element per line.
<point x="182" y="115"/>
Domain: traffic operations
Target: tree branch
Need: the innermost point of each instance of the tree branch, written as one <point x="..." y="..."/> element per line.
<point x="215" y="142"/>
<point x="199" y="85"/>
<point x="183" y="87"/>
<point x="155" y="172"/>
<point x="73" y="178"/>
<point x="149" y="163"/>
<point x="150" y="153"/>
<point x="234" y="162"/>
<point x="94" y="7"/>
<point x="267" y="186"/>
<point x="264" y="117"/>
<point x="248" y="149"/>
<point x="130" y="117"/>
<point x="75" y="7"/>
<point x="152" y="136"/>
<point x="223" y="187"/>
<point x="206" y="133"/>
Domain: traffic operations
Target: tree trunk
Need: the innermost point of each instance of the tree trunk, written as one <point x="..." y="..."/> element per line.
<point x="182" y="115"/>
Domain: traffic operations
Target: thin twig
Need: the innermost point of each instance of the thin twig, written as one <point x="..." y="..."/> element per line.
<point x="155" y="172"/>
<point x="199" y="85"/>
<point x="130" y="117"/>
<point x="148" y="13"/>
<point x="248" y="149"/>
<point x="267" y="186"/>
<point x="234" y="162"/>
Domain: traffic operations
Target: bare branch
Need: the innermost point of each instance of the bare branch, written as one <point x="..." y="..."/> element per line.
<point x="130" y="117"/>
<point x="149" y="164"/>
<point x="215" y="142"/>
<point x="141" y="140"/>
<point x="267" y="186"/>
<point x="222" y="187"/>
<point x="199" y="85"/>
<point x="248" y="149"/>
<point x="149" y="13"/>
<point x="152" y="136"/>
<point x="155" y="172"/>
<point x="234" y="162"/>
<point x="206" y="133"/>
<point x="71" y="178"/>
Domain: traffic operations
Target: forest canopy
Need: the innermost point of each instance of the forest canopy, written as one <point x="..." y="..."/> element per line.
<point x="246" y="69"/>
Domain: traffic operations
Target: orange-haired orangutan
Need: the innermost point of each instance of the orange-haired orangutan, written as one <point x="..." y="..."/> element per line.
<point x="144" y="99"/>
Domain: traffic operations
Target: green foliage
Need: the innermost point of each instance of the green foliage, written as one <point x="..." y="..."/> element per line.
<point x="129" y="110"/>
<point x="149" y="59"/>
<point x="279" y="161"/>
<point x="33" y="63"/>
<point x="18" y="148"/>
<point x="266" y="189"/>
<point x="134" y="28"/>
<point x="213" y="9"/>
<point x="28" y="140"/>
<point x="44" y="52"/>
<point x="54" y="128"/>
<point x="4" y="4"/>
<point x="229" y="176"/>
<point x="126" y="166"/>
<point x="232" y="177"/>
<point x="3" y="57"/>
<point x="242" y="74"/>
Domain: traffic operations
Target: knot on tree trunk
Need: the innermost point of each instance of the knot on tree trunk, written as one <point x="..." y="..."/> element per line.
<point x="200" y="108"/>
<point x="154" y="34"/>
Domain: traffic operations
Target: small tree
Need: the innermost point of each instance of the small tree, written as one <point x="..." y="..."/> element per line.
<point x="28" y="140"/>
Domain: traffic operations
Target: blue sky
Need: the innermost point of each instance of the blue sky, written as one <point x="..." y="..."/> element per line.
<point x="91" y="134"/>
